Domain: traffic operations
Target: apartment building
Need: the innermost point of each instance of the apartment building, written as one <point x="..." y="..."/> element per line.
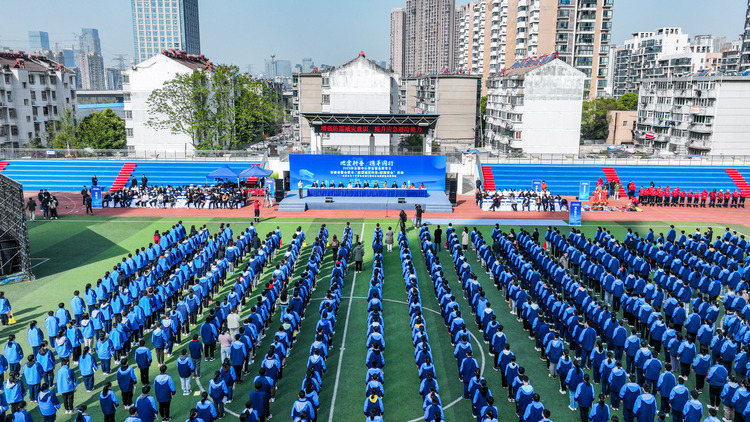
<point x="456" y="98"/>
<point x="34" y="91"/>
<point x="535" y="107"/>
<point x="429" y="27"/>
<point x="695" y="115"/>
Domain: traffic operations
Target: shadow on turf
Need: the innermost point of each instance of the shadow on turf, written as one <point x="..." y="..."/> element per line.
<point x="79" y="249"/>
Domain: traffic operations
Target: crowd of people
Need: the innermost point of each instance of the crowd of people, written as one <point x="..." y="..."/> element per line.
<point x="158" y="294"/>
<point x="539" y="200"/>
<point x="363" y="185"/>
<point x="47" y="204"/>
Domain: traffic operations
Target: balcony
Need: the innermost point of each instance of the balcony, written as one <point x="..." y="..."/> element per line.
<point x="701" y="128"/>
<point x="699" y="145"/>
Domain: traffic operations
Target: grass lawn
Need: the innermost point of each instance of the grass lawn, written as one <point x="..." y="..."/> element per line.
<point x="74" y="251"/>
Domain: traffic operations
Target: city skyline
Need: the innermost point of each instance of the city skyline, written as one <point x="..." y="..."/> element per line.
<point x="249" y="34"/>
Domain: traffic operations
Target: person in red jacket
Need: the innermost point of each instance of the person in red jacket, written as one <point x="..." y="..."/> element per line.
<point x="683" y="195"/>
<point x="743" y="195"/>
<point x="712" y="202"/>
<point x="727" y="195"/>
<point x="631" y="189"/>
<point x="675" y="195"/>
<point x="642" y="196"/>
<point x="704" y="195"/>
<point x="657" y="196"/>
<point x="735" y="198"/>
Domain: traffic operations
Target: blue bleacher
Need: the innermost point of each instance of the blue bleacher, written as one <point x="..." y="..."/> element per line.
<point x="565" y="179"/>
<point x="72" y="175"/>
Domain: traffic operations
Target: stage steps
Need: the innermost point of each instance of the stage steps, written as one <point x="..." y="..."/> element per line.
<point x="286" y="206"/>
<point x="611" y="174"/>
<point x="489" y="179"/>
<point x="123" y="177"/>
<point x="739" y="181"/>
<point x="3" y="164"/>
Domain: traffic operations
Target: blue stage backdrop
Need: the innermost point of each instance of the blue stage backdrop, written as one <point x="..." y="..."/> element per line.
<point x="418" y="169"/>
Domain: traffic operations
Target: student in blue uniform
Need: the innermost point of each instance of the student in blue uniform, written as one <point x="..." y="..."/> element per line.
<point x="645" y="406"/>
<point x="600" y="410"/>
<point x="164" y="389"/>
<point x="108" y="402"/>
<point x="66" y="385"/>
<point x="145" y="405"/>
<point x="87" y="366"/>
<point x="126" y="381"/>
<point x="48" y="403"/>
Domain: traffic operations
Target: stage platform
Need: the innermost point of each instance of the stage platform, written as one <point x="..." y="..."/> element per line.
<point x="435" y="202"/>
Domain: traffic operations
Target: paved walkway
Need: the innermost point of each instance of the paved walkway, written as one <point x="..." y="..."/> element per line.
<point x="71" y="204"/>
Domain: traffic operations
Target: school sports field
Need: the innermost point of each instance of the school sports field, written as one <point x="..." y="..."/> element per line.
<point x="73" y="251"/>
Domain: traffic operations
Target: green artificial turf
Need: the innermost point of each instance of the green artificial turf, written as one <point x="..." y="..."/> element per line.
<point x="71" y="252"/>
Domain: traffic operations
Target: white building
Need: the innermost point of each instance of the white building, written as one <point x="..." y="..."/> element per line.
<point x="535" y="107"/>
<point x="33" y="93"/>
<point x="695" y="115"/>
<point x="359" y="86"/>
<point x="138" y="83"/>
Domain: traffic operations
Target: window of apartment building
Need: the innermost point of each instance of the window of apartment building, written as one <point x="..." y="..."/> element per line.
<point x="11" y="113"/>
<point x="33" y="95"/>
<point x="7" y="79"/>
<point x="704" y="102"/>
<point x="44" y="95"/>
<point x="605" y="38"/>
<point x="54" y="96"/>
<point x="326" y="99"/>
<point x="31" y="79"/>
<point x="25" y="101"/>
<point x="562" y="25"/>
<point x="563" y="13"/>
<point x="703" y="119"/>
<point x="562" y="48"/>
<point x="607" y="14"/>
<point x="129" y="132"/>
<point x="14" y="131"/>
<point x="624" y="122"/>
<point x="325" y="81"/>
<point x="584" y="61"/>
<point x="606" y="26"/>
<point x="54" y="110"/>
<point x="128" y="114"/>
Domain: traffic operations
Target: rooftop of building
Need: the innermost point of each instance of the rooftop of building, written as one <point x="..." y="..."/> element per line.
<point x="35" y="63"/>
<point x="191" y="61"/>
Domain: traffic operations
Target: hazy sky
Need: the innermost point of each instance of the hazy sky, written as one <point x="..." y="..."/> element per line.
<point x="245" y="32"/>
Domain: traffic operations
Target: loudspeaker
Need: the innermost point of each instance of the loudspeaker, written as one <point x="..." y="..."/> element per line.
<point x="452" y="188"/>
<point x="285" y="176"/>
<point x="279" y="189"/>
<point x="401" y="200"/>
<point x="329" y="199"/>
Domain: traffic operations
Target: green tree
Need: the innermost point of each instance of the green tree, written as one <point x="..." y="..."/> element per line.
<point x="63" y="134"/>
<point x="219" y="109"/>
<point x="181" y="106"/>
<point x="483" y="106"/>
<point x="594" y="123"/>
<point x="102" y="130"/>
<point x="628" y="101"/>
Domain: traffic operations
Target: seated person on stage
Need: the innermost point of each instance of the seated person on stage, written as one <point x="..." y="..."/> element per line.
<point x="341" y="184"/>
<point x="332" y="185"/>
<point x="357" y="185"/>
<point x="411" y="186"/>
<point x="421" y="186"/>
<point x="394" y="185"/>
<point x="375" y="185"/>
<point x="314" y="184"/>
<point x="403" y="185"/>
<point x="367" y="184"/>
<point x="349" y="186"/>
<point x="385" y="185"/>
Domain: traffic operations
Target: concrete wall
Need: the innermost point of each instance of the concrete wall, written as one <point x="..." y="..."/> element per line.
<point x="309" y="102"/>
<point x="732" y="121"/>
<point x="621" y="124"/>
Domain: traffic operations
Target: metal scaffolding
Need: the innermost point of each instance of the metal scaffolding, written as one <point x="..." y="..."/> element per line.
<point x="15" y="258"/>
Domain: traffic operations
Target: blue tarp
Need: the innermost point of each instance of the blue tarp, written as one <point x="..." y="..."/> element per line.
<point x="223" y="172"/>
<point x="255" y="171"/>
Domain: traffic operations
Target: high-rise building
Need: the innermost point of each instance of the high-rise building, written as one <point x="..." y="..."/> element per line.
<point x="494" y="34"/>
<point x="397" y="40"/>
<point x="745" y="55"/>
<point x="429" y="29"/>
<point x="89" y="41"/>
<point x="90" y="60"/>
<point x="92" y="71"/>
<point x="171" y="25"/>
<point x="307" y="65"/>
<point x="38" y="41"/>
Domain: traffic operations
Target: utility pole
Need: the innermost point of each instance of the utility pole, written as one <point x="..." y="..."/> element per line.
<point x="119" y="59"/>
<point x="249" y="69"/>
